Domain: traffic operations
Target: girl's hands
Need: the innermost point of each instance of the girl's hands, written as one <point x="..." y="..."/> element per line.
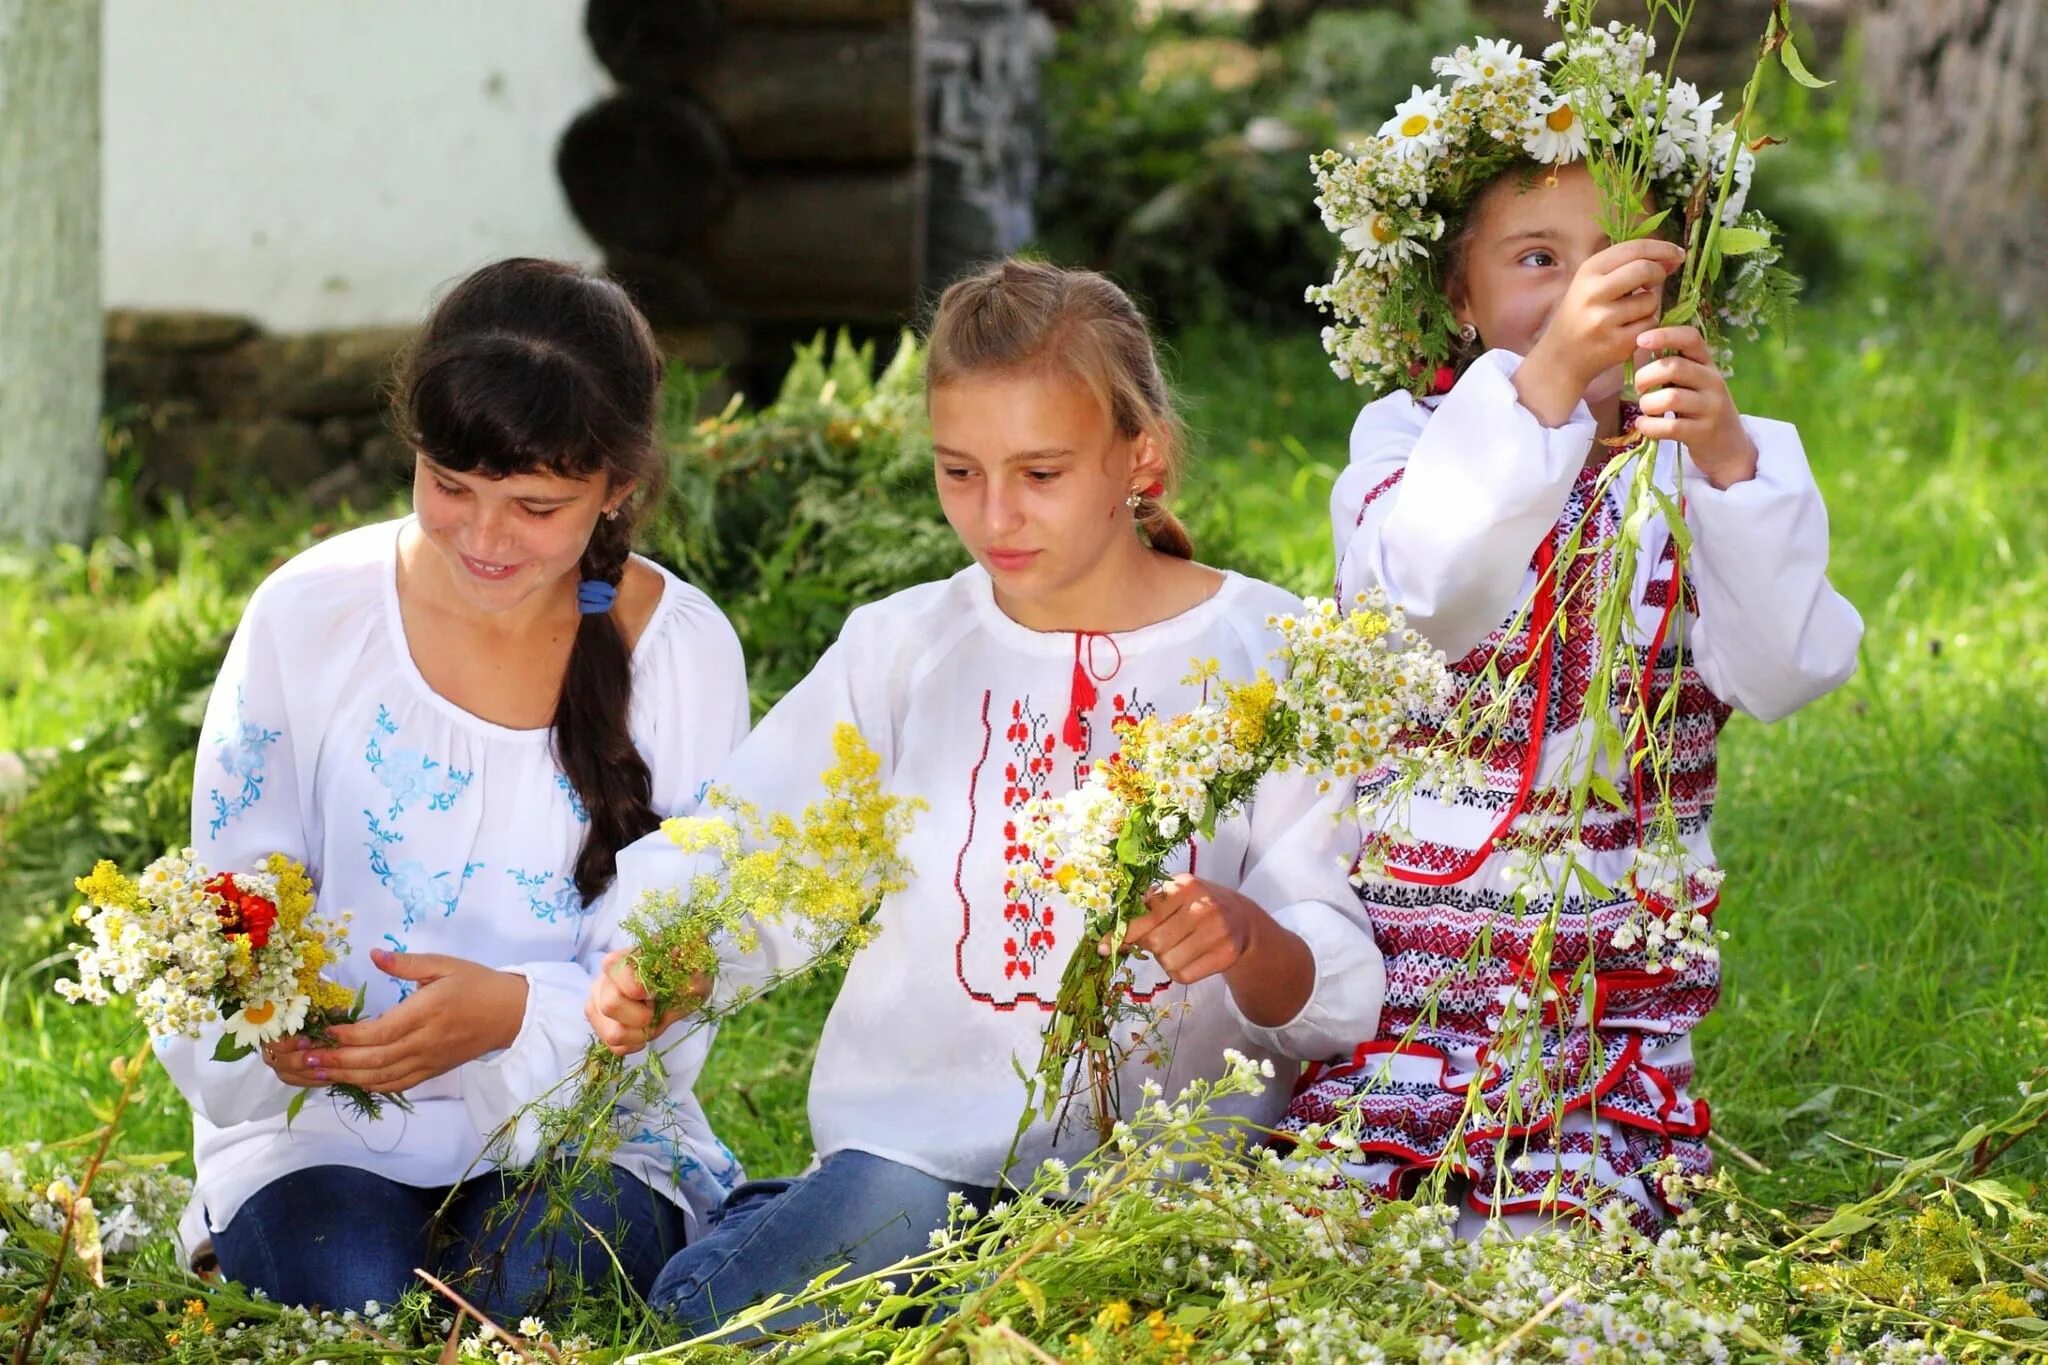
<point x="461" y="1010"/>
<point x="1197" y="929"/>
<point x="1686" y="399"/>
<point x="1613" y="297"/>
<point x="619" y="1011"/>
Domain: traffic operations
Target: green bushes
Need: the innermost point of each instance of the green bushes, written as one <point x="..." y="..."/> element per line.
<point x="1179" y="149"/>
<point x="792" y="516"/>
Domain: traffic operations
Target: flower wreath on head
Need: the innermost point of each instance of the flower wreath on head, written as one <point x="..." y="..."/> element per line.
<point x="1396" y="200"/>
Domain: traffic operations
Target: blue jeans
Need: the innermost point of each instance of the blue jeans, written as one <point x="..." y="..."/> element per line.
<point x="861" y="1211"/>
<point x="339" y="1237"/>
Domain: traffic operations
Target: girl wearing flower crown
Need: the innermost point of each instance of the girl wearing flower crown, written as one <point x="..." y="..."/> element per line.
<point x="1055" y="442"/>
<point x="454" y="721"/>
<point x="1482" y="293"/>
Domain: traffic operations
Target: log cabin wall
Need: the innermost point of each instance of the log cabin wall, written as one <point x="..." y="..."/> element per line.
<point x="771" y="166"/>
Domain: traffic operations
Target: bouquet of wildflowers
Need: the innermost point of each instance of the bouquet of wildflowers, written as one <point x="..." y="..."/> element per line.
<point x="1351" y="681"/>
<point x="192" y="947"/>
<point x="823" y="875"/>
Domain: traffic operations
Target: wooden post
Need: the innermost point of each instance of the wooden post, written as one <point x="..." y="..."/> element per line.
<point x="51" y="333"/>
<point x="827" y="96"/>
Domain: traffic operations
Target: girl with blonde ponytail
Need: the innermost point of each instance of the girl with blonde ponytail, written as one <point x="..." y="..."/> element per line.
<point x="1056" y="449"/>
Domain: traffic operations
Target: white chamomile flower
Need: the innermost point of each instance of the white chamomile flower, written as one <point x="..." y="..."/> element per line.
<point x="1416" y="131"/>
<point x="265" y="1021"/>
<point x="1487" y="61"/>
<point x="1379" y="239"/>
<point x="1555" y="133"/>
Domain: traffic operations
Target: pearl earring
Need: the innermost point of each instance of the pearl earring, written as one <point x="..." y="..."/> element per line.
<point x="1135" y="500"/>
<point x="1467" y="333"/>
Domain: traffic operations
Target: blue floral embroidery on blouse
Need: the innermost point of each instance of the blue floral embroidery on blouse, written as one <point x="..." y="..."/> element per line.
<point x="416" y="890"/>
<point x="565" y="901"/>
<point x="576" y="806"/>
<point x="689" y="1172"/>
<point x="241" y="755"/>
<point x="396" y="945"/>
<point x="409" y="774"/>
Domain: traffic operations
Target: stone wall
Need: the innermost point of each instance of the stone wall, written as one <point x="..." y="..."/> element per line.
<point x="209" y="404"/>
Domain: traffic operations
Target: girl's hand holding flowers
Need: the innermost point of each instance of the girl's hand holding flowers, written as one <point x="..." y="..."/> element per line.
<point x="1596" y="325"/>
<point x="620" y="1011"/>
<point x="1197" y="929"/>
<point x="461" y="1010"/>
<point x="1685" y="398"/>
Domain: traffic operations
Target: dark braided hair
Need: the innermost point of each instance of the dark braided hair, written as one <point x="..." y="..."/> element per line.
<point x="534" y="366"/>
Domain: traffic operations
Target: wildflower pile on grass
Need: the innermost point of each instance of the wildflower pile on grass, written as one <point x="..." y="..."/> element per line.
<point x="1184" y="1241"/>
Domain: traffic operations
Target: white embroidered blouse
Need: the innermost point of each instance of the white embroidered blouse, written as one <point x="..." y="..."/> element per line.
<point x="441" y="833"/>
<point x="976" y="714"/>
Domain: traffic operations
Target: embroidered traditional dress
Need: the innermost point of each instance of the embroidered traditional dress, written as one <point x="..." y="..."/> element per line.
<point x="441" y="833"/>
<point x="1460" y="510"/>
<point x="977" y="714"/>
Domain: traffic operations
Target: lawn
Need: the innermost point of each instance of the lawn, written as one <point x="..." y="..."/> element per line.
<point x="1887" y="980"/>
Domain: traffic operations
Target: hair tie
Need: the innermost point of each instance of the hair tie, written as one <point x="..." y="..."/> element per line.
<point x="594" y="596"/>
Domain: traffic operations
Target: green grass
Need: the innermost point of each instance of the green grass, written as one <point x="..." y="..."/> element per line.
<point x="1887" y="980"/>
<point x="74" y="619"/>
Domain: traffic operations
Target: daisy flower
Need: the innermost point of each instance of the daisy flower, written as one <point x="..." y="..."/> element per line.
<point x="1379" y="239"/>
<point x="1416" y="130"/>
<point x="1554" y="133"/>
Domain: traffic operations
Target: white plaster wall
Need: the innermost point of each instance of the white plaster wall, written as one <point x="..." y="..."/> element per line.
<point x="332" y="163"/>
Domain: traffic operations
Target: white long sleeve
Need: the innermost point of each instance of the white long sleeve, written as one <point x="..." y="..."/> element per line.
<point x="1297" y="854"/>
<point x="248" y="797"/>
<point x="1772" y="634"/>
<point x="1481" y="484"/>
<point x="1444" y="508"/>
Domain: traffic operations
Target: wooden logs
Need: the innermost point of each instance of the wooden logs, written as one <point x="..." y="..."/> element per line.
<point x="774" y="161"/>
<point x="652" y="43"/>
<point x="821" y="246"/>
<point x="824" y="96"/>
<point x="645" y="172"/>
<point x="870" y="13"/>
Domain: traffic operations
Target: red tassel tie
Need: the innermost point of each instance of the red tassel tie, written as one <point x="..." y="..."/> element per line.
<point x="1082" y="694"/>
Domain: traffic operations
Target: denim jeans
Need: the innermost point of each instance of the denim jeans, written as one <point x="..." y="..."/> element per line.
<point x="339" y="1236"/>
<point x="861" y="1211"/>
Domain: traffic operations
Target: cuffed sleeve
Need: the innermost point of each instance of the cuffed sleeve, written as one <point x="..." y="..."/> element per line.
<point x="223" y="1093"/>
<point x="1350" y="986"/>
<point x="1297" y="865"/>
<point x="1482" y="481"/>
<point x="1773" y="634"/>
